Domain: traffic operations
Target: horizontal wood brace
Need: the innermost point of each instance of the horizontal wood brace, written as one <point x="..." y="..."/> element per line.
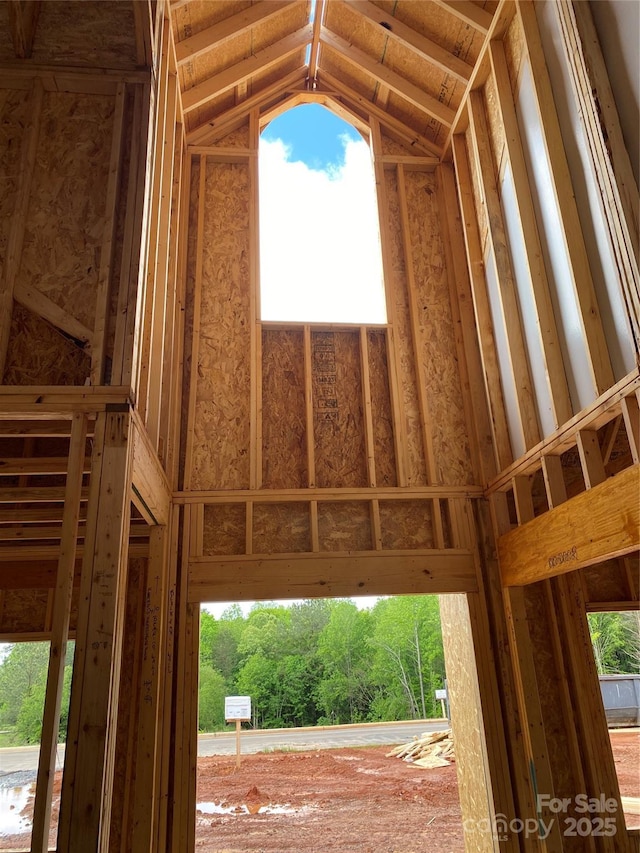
<point x="330" y="575"/>
<point x="56" y="78"/>
<point x="598" y="524"/>
<point x="602" y="410"/>
<point x="298" y="495"/>
<point x="42" y="553"/>
<point x="49" y="402"/>
<point x="37" y="465"/>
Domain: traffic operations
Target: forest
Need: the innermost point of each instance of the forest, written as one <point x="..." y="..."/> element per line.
<point x="315" y="662"/>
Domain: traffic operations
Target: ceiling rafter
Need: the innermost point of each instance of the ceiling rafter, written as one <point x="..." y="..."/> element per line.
<point x="246" y="68"/>
<point x="468" y="12"/>
<point x="215" y="36"/>
<point x="318" y="21"/>
<point x="412" y="40"/>
<point x="406" y="134"/>
<point x="398" y="84"/>
<point x="223" y="123"/>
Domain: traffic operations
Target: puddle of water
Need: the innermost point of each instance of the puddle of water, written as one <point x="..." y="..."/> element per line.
<point x="12" y="801"/>
<point x="215" y="808"/>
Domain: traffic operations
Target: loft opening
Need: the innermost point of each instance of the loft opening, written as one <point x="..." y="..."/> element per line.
<point x="320" y="256"/>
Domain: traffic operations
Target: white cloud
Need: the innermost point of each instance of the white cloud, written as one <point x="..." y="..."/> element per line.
<point x="320" y="255"/>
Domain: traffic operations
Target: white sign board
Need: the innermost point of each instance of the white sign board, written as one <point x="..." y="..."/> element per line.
<point x="441" y="694"/>
<point x="237" y="707"/>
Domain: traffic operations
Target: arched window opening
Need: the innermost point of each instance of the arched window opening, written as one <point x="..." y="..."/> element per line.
<point x="320" y="258"/>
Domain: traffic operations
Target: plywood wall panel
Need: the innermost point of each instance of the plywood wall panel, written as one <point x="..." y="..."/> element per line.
<point x="338" y="410"/>
<point x="39" y="354"/>
<point x="607" y="581"/>
<point x="284" y="450"/>
<point x="65" y="217"/>
<point x="224" y="529"/>
<point x="344" y="526"/>
<point x="23" y="611"/>
<point x="406" y="525"/>
<point x="397" y="281"/>
<point x="281" y="528"/>
<point x="437" y="348"/>
<point x="382" y="418"/>
<point x="222" y="412"/>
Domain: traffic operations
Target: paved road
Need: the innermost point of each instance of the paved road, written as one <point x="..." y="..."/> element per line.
<point x="26" y="757"/>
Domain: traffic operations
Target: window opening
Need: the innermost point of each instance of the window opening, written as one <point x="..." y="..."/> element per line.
<point x="320" y="257"/>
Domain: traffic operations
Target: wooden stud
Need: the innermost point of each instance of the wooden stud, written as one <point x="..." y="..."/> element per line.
<point x="376" y="527"/>
<point x="59" y="636"/>
<point x="106" y="250"/>
<point x="255" y="391"/>
<point x="546" y="324"/>
<point x="470" y="366"/>
<point x="554" y="480"/>
<point x="19" y="220"/>
<point x="631" y="414"/>
<point x="85" y="803"/>
<point x="195" y="343"/>
<point x="23" y="19"/>
<point x="523" y="499"/>
<point x="248" y="528"/>
<point x="598" y="362"/>
<point x="308" y="402"/>
<point x="484" y="323"/>
<point x="313" y="522"/>
<point x="399" y="430"/>
<point x="590" y="458"/>
<point x="519" y="365"/>
<point x="368" y="417"/>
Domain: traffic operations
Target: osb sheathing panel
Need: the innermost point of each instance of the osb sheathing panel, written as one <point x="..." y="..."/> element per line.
<point x="384" y="449"/>
<point x="238" y="138"/>
<point x="406" y="525"/>
<point x="390" y="146"/>
<point x="548" y="676"/>
<point x="344" y="526"/>
<point x="338" y="419"/>
<point x="192" y="239"/>
<point x="224" y="529"/>
<point x="347" y="73"/>
<point x="607" y="581"/>
<point x="397" y="281"/>
<point x="65" y="219"/>
<point x="102" y="36"/>
<point x="39" y="354"/>
<point x="284" y="448"/>
<point x="222" y="412"/>
<point x="281" y="528"/>
<point x="24" y="611"/>
<point x="437" y="334"/>
<point x="466" y="721"/>
<point x="364" y="35"/>
<point x="14" y="115"/>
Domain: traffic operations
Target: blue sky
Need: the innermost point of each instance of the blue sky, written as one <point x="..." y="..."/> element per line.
<point x="320" y="258"/>
<point x="313" y="134"/>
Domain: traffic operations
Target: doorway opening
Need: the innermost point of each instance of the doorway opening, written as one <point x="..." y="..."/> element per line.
<point x="335" y="685"/>
<point x="320" y="255"/>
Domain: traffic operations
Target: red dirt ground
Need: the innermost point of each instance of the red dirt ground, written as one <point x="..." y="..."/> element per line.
<point x="342" y="800"/>
<point x="347" y="800"/>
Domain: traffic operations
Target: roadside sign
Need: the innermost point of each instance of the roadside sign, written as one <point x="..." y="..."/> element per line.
<point x="237" y="708"/>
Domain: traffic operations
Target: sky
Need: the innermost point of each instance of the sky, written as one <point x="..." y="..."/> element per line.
<point x="320" y="257"/>
<point x="317" y="191"/>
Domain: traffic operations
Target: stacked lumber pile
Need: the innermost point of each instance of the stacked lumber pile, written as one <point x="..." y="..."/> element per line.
<point x="432" y="749"/>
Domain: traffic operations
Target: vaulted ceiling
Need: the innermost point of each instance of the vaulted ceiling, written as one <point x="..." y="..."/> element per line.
<point x="408" y="63"/>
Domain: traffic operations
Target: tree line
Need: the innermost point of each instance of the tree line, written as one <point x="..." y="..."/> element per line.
<point x="323" y="662"/>
<point x="317" y="662"/>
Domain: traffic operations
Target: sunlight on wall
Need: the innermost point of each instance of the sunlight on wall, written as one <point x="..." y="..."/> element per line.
<point x="320" y="258"/>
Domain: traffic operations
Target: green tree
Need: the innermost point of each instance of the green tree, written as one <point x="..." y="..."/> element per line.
<point x="22" y="670"/>
<point x="212" y="690"/>
<point x="345" y="688"/>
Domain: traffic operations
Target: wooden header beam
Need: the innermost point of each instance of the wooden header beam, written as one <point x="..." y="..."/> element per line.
<point x="596" y="525"/>
<point x="330" y="575"/>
